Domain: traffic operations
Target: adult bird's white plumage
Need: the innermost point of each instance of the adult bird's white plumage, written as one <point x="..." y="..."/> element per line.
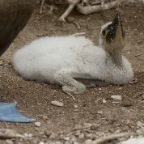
<point x="64" y="59"/>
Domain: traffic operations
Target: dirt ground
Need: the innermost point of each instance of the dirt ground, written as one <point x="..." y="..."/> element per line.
<point x="93" y="114"/>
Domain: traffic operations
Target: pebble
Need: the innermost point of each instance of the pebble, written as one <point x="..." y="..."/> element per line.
<point x="30" y="135"/>
<point x="57" y="103"/>
<point x="9" y="141"/>
<point x="66" y="138"/>
<point x="104" y="101"/>
<point x="37" y="129"/>
<point x="116" y="97"/>
<point x="47" y="133"/>
<point x="140" y="124"/>
<point x="127" y="104"/>
<point x="38" y="124"/>
<point x="140" y="131"/>
<point x="53" y="136"/>
<point x="57" y="142"/>
<point x="77" y="133"/>
<point x="88" y="141"/>
<point x="89" y="136"/>
<point x="93" y="127"/>
<point x="1" y="64"/>
<point x="41" y="143"/>
<point x="100" y="112"/>
<point x="73" y="139"/>
<point x="75" y="142"/>
<point x="81" y="136"/>
<point x="75" y="106"/>
<point x="26" y="134"/>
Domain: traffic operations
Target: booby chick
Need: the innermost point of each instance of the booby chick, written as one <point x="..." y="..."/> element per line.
<point x="65" y="59"/>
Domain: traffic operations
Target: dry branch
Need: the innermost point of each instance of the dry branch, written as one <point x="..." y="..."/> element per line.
<point x="9" y="133"/>
<point x="96" y="8"/>
<point x="111" y="137"/>
<point x="69" y="9"/>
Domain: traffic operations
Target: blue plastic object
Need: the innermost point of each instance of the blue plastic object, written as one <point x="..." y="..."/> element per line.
<point x="9" y="113"/>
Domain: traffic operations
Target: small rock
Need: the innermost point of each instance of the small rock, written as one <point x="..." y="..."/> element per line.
<point x="88" y="141"/>
<point x="104" y="101"/>
<point x="26" y="135"/>
<point x="30" y="135"/>
<point x="100" y="112"/>
<point x="9" y="141"/>
<point x="47" y="133"/>
<point x="57" y="142"/>
<point x="73" y="139"/>
<point x="41" y="132"/>
<point x="140" y="124"/>
<point x="75" y="142"/>
<point x="143" y="96"/>
<point x="140" y="131"/>
<point x="116" y="97"/>
<point x="41" y="143"/>
<point x="126" y="104"/>
<point x="140" y="41"/>
<point x="93" y="127"/>
<point x="35" y="141"/>
<point x="75" y="106"/>
<point x="37" y="129"/>
<point x="87" y="124"/>
<point x="1" y="64"/>
<point x="38" y="124"/>
<point x="57" y="103"/>
<point x="53" y="136"/>
<point x="81" y="136"/>
<point x="66" y="138"/>
<point x="77" y="133"/>
<point x="89" y="136"/>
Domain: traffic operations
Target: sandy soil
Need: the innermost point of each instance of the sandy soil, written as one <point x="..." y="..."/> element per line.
<point x="96" y="108"/>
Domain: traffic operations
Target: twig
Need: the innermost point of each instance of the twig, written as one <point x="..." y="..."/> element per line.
<point x="71" y="95"/>
<point x="68" y="10"/>
<point x="79" y="34"/>
<point x="41" y="7"/>
<point x="111" y="137"/>
<point x="76" y="129"/>
<point x="97" y="8"/>
<point x="9" y="133"/>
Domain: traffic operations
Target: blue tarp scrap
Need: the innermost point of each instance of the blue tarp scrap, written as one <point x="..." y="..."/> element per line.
<point x="9" y="113"/>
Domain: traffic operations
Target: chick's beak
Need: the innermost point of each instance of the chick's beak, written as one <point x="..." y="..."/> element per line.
<point x="115" y="29"/>
<point x="114" y="40"/>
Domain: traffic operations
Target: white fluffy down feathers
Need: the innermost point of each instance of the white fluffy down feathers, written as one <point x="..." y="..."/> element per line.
<point x="61" y="59"/>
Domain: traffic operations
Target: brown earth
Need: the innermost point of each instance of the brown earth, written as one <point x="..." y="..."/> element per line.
<point x="95" y="107"/>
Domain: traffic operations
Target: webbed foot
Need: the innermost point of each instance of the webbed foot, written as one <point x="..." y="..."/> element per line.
<point x="69" y="84"/>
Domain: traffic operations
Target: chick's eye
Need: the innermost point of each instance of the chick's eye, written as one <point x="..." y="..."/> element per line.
<point x="104" y="32"/>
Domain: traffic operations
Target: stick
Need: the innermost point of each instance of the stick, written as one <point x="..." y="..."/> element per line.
<point x="71" y="95"/>
<point x="97" y="8"/>
<point x="68" y="10"/>
<point x="9" y="133"/>
<point x="79" y="34"/>
<point x="111" y="137"/>
<point x="41" y="8"/>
